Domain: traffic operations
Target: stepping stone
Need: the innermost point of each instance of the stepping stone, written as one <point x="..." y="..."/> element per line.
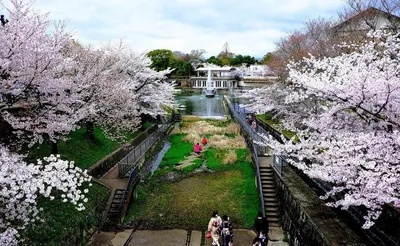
<point x="195" y="238"/>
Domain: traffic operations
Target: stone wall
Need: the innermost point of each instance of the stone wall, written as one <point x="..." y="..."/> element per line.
<point x="307" y="219"/>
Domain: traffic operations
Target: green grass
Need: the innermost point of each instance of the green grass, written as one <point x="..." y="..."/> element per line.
<point x="78" y="148"/>
<point x="178" y="151"/>
<point x="230" y="135"/>
<point x="196" y="164"/>
<point x="188" y="203"/>
<point x="62" y="219"/>
<point x="218" y="123"/>
<point x="215" y="156"/>
<point x="184" y="200"/>
<point x="274" y="123"/>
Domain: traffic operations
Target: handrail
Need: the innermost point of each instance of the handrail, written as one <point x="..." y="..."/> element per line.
<point x="135" y="172"/>
<point x="254" y="136"/>
<point x="130" y="161"/>
<point x="259" y="180"/>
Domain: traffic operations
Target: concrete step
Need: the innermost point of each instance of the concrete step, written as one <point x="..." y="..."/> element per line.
<point x="120" y="191"/>
<point x="267" y="181"/>
<point x="268" y="187"/>
<point x="273" y="218"/>
<point x="269" y="190"/>
<point x="268" y="195"/>
<point x="266" y="174"/>
<point x="271" y="209"/>
<point x="195" y="238"/>
<point x="272" y="214"/>
<point x="266" y="170"/>
<point x="274" y="224"/>
<point x="271" y="199"/>
<point x="271" y="204"/>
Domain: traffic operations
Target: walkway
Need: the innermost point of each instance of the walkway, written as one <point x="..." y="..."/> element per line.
<point x="111" y="179"/>
<point x="176" y="237"/>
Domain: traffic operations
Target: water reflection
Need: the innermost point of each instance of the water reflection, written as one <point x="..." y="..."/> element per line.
<point x="199" y="105"/>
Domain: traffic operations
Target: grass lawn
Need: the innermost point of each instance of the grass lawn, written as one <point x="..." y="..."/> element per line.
<point x="274" y="123"/>
<point x="187" y="201"/>
<point x="178" y="151"/>
<point x="79" y="148"/>
<point x="62" y="219"/>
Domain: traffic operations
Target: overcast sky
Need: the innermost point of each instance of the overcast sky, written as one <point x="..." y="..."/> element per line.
<point x="249" y="26"/>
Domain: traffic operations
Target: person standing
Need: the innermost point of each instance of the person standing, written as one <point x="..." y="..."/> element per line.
<point x="226" y="231"/>
<point x="254" y="124"/>
<point x="261" y="224"/>
<point x="213" y="227"/>
<point x="261" y="240"/>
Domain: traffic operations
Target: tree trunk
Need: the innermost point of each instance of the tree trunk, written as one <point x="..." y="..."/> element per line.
<point x="54" y="148"/>
<point x="90" y="129"/>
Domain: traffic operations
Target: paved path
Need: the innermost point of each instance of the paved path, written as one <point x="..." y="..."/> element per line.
<point x="175" y="237"/>
<point x="111" y="179"/>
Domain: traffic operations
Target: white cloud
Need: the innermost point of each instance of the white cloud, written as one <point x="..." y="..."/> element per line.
<point x="250" y="27"/>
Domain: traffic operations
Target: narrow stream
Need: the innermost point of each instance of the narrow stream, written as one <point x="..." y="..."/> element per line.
<point x="160" y="155"/>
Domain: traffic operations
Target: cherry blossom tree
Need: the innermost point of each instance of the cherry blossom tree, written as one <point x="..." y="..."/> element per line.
<point x="350" y="135"/>
<point x="36" y="98"/>
<point x="115" y="86"/>
<point x="22" y="184"/>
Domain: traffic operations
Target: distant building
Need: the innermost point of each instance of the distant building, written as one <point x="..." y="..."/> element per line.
<point x="367" y="20"/>
<point x="231" y="77"/>
<point x="221" y="77"/>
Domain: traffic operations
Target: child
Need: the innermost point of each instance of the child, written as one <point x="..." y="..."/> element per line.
<point x="197" y="149"/>
<point x="204" y="141"/>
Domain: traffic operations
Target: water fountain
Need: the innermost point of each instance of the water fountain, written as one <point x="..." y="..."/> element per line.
<point x="210" y="90"/>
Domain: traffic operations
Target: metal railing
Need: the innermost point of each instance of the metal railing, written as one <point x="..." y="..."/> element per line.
<point x="240" y="116"/>
<point x="130" y="162"/>
<point x="257" y="164"/>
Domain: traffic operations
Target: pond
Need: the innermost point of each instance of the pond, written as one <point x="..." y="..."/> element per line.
<point x="200" y="105"/>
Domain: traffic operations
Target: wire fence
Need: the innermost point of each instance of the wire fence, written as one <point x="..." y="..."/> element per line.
<point x="129" y="163"/>
<point x="256" y="132"/>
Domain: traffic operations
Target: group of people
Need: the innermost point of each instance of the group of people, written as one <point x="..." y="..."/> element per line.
<point x="222" y="228"/>
<point x="198" y="148"/>
<point x="251" y="120"/>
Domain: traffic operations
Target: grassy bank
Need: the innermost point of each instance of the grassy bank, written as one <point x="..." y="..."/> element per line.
<point x="185" y="198"/>
<point x="274" y="123"/>
<point x="62" y="221"/>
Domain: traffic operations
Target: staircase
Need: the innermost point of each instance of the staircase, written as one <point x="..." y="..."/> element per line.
<point x="177" y="117"/>
<point x="115" y="210"/>
<point x="269" y="192"/>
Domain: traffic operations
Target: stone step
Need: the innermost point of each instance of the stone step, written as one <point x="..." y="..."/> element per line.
<point x="268" y="185"/>
<point x="119" y="197"/>
<point x="270" y="199"/>
<point x="117" y="201"/>
<point x="274" y="224"/>
<point x="273" y="219"/>
<point x="268" y="181"/>
<point x="271" y="209"/>
<point x="266" y="170"/>
<point x="266" y="173"/>
<point x="272" y="214"/>
<point x="269" y="191"/>
<point x="120" y="191"/>
<point x="271" y="204"/>
<point x="266" y="195"/>
<point x="114" y="210"/>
